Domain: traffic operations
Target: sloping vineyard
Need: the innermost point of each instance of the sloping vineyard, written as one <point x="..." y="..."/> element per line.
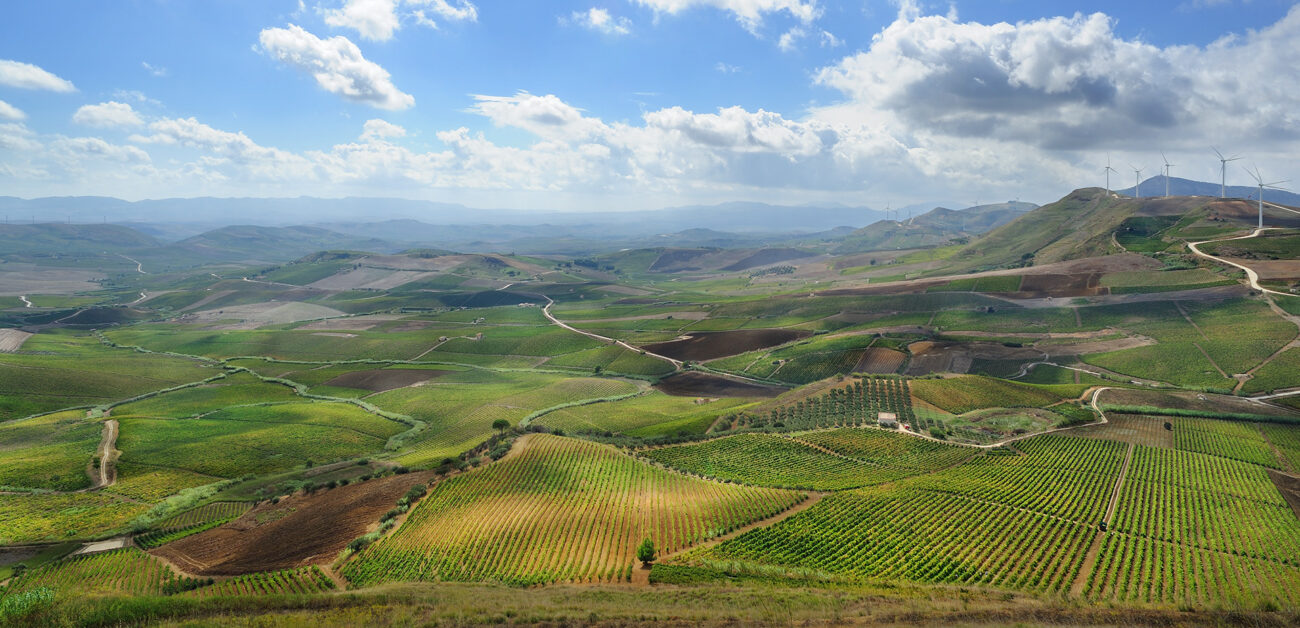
<point x="853" y="405"/>
<point x="557" y="509"/>
<point x="301" y="581"/>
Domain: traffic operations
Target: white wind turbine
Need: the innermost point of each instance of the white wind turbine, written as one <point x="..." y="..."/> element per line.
<point x="1259" y="179"/>
<point x="1223" y="172"/>
<point x="1167" y="167"/>
<point x="1137" y="181"/>
<point x="1109" y="170"/>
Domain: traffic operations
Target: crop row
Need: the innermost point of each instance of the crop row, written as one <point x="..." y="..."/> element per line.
<point x="854" y="405"/>
<point x="1287" y="440"/>
<point x="203" y="514"/>
<point x="150" y="540"/>
<point x="918" y="535"/>
<point x="1147" y="570"/>
<point x="558" y="510"/>
<point x="129" y="571"/>
<point x="1230" y="439"/>
<point x="771" y="460"/>
<point x="301" y="581"/>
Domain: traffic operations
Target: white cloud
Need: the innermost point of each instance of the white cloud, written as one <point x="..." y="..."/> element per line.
<point x="10" y="112"/>
<point x="107" y="114"/>
<point x="381" y="129"/>
<point x="726" y="68"/>
<point x="749" y="13"/>
<point x="378" y="20"/>
<point x="600" y="20"/>
<point x="829" y="40"/>
<point x="155" y="70"/>
<point x="28" y="76"/>
<point x="790" y="38"/>
<point x="545" y="116"/>
<point x="375" y="20"/>
<point x="337" y="65"/>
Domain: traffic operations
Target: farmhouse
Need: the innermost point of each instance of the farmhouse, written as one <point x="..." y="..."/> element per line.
<point x="887" y="419"/>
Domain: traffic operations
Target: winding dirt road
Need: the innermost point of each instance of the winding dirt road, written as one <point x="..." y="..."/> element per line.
<point x="547" y="312"/>
<point x="1250" y="274"/>
<point x="107" y="454"/>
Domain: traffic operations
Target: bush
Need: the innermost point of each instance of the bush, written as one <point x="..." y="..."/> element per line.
<point x="646" y="552"/>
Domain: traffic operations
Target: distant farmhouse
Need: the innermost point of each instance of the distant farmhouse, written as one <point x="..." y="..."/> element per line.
<point x="887" y="419"/>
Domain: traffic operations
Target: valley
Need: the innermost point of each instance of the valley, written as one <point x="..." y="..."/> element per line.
<point x="1085" y="412"/>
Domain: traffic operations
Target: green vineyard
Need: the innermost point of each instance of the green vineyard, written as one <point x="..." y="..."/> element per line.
<point x="557" y="509"/>
<point x="303" y="581"/>
<point x="124" y="571"/>
<point x="831" y="460"/>
<point x="853" y="405"/>
<point x="203" y="514"/>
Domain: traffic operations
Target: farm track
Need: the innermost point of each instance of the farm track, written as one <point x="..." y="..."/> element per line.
<point x="1090" y="558"/>
<point x="108" y="454"/>
<point x="546" y="311"/>
<point x="26" y="303"/>
<point x="139" y="268"/>
<point x="1251" y="275"/>
<point x="641" y="576"/>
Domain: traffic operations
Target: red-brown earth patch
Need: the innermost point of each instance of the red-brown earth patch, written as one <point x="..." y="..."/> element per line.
<point x="299" y="530"/>
<point x="379" y="380"/>
<point x="880" y="360"/>
<point x="696" y="384"/>
<point x="720" y="344"/>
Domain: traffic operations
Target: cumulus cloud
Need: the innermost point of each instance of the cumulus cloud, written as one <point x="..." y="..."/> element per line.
<point x="107" y="114"/>
<point x="379" y="20"/>
<point x="28" y="76"/>
<point x="1069" y="82"/>
<point x="10" y="112"/>
<point x="155" y="70"/>
<point x="546" y="116"/>
<point x="337" y="65"/>
<point x="381" y="129"/>
<point x="599" y="20"/>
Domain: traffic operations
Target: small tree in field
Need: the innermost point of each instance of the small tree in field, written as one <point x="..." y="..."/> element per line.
<point x="501" y="425"/>
<point x="646" y="552"/>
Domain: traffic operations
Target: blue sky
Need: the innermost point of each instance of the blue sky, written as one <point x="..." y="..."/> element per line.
<point x="636" y="103"/>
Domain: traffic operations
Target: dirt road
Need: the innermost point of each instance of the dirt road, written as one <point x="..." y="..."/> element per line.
<point x="107" y="454"/>
<point x="1250" y="274"/>
<point x="547" y="312"/>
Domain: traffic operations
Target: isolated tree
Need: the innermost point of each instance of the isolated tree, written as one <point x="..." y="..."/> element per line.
<point x="501" y="425"/>
<point x="646" y="552"/>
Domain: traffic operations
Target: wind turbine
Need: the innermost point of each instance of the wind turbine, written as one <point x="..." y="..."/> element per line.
<point x="1223" y="172"/>
<point x="1167" y="167"/>
<point x="1107" y="170"/>
<point x="1259" y="179"/>
<point x="1137" y="181"/>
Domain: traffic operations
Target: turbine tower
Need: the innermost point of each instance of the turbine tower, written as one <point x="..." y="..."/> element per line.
<point x="1137" y="181"/>
<point x="1167" y="167"/>
<point x="1223" y="172"/>
<point x="1107" y="170"/>
<point x="1259" y="179"/>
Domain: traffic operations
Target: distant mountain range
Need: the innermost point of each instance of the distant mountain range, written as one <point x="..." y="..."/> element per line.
<point x="1155" y="186"/>
<point x="935" y="227"/>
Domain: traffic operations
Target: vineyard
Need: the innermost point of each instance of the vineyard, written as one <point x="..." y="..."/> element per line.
<point x="150" y="540"/>
<point x="1238" y="441"/>
<point x="1287" y="440"/>
<point x="829" y="460"/>
<point x="1017" y="520"/>
<point x="124" y="571"/>
<point x="302" y="581"/>
<point x="1207" y="502"/>
<point x="854" y="405"/>
<point x="557" y="509"/>
<point x="206" y="513"/>
<point x="771" y="460"/>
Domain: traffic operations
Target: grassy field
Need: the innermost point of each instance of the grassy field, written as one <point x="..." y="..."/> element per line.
<point x="53" y="517"/>
<point x="1280" y="373"/>
<point x="48" y="452"/>
<point x="967" y="393"/>
<point x="647" y="416"/>
<point x="254" y="439"/>
<point x="1213" y="339"/>
<point x="558" y="510"/>
<point x="66" y="369"/>
<point x="459" y="411"/>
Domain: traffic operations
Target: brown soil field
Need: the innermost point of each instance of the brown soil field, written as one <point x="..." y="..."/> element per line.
<point x="696" y="384"/>
<point x="370" y="278"/>
<point x="1192" y="401"/>
<point x="676" y="261"/>
<point x="763" y="257"/>
<point x="957" y="357"/>
<point x="379" y="380"/>
<point x="1289" y="486"/>
<point x="300" y="530"/>
<point x="880" y="360"/>
<point x="12" y="340"/>
<point x="1076" y="285"/>
<point x="720" y="344"/>
<point x="1281" y="270"/>
<point x="1129" y="428"/>
<point x="408" y="326"/>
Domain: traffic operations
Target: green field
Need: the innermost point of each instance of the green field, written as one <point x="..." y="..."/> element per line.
<point x="48" y="452"/>
<point x="650" y="415"/>
<point x="967" y="393"/>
